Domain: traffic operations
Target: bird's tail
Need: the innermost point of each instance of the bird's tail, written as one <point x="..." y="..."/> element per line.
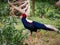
<point x="52" y="28"/>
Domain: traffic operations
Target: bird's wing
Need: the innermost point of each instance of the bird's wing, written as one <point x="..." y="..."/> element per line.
<point x="38" y="25"/>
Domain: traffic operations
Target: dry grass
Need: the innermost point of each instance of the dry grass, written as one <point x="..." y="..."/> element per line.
<point x="44" y="38"/>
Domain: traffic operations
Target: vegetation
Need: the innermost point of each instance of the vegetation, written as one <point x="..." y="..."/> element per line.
<point x="11" y="28"/>
<point x="9" y="35"/>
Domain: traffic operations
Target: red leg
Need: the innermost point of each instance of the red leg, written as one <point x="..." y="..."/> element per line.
<point x="37" y="34"/>
<point x="30" y="35"/>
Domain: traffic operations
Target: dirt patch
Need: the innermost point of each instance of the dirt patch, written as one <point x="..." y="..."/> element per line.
<point x="49" y="38"/>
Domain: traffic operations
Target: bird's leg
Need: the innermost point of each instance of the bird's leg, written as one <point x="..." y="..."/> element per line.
<point x="37" y="34"/>
<point x="31" y="34"/>
<point x="30" y="37"/>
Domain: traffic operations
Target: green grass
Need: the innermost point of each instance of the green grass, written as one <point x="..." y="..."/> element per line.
<point x="46" y="36"/>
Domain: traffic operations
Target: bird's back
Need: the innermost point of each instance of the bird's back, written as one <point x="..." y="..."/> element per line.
<point x="39" y="25"/>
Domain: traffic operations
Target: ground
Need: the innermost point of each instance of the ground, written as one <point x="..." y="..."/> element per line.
<point x="46" y="38"/>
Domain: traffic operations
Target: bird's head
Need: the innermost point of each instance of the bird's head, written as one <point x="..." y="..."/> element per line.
<point x="23" y="16"/>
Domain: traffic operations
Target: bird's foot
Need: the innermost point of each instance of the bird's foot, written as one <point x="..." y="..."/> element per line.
<point x="30" y="36"/>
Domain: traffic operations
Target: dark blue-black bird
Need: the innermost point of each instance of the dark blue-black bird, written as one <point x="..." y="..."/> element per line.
<point x="33" y="25"/>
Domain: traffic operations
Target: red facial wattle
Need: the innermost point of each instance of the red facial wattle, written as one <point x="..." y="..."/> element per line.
<point x="24" y="15"/>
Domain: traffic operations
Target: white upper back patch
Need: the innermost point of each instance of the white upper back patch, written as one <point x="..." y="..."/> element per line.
<point x="30" y="21"/>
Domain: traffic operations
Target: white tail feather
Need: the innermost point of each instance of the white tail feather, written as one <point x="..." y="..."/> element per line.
<point x="52" y="27"/>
